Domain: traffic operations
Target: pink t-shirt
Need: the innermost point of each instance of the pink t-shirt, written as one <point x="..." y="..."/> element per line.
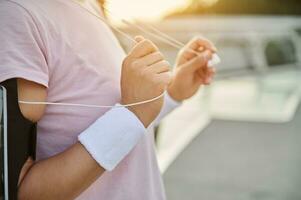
<point x="77" y="57"/>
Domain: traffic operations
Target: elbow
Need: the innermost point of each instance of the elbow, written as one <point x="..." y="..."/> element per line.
<point x="29" y="189"/>
<point x="28" y="192"/>
<point x="23" y="194"/>
<point x="23" y="185"/>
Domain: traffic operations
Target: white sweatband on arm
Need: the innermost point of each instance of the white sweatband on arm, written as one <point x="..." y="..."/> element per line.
<point x="110" y="138"/>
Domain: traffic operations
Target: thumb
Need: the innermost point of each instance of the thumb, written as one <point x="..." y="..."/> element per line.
<point x="199" y="61"/>
<point x="139" y="38"/>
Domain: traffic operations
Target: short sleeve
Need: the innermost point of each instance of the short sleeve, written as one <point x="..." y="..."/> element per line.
<point x="22" y="53"/>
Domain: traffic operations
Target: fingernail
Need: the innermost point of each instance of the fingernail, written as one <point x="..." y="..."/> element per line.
<point x="201" y="49"/>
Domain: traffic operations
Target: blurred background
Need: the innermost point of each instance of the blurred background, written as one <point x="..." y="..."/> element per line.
<point x="239" y="138"/>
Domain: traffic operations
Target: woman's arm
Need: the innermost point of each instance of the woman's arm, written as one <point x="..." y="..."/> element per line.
<point x="145" y="75"/>
<point x="63" y="176"/>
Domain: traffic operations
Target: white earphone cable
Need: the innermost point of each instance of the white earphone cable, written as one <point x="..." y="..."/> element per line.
<point x="91" y="105"/>
<point x="167" y="39"/>
<point x="159" y="35"/>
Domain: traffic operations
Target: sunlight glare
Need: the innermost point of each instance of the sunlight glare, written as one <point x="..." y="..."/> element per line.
<point x="142" y="9"/>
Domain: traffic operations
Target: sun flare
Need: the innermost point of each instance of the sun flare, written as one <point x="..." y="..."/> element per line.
<point x="142" y="9"/>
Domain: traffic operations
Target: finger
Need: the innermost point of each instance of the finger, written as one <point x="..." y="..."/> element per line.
<point x="164" y="78"/>
<point x="143" y="48"/>
<point x="198" y="42"/>
<point x="209" y="75"/>
<point x="139" y="38"/>
<point x="202" y="73"/>
<point x="206" y="73"/>
<point x="195" y="46"/>
<point x="160" y="67"/>
<point x="204" y="78"/>
<point x="152" y="58"/>
<point x="200" y="49"/>
<point x="211" y="71"/>
<point x="188" y="53"/>
<point x="208" y="80"/>
<point x="199" y="61"/>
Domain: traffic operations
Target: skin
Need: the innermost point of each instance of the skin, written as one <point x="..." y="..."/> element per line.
<point x="192" y="69"/>
<point x="43" y="179"/>
<point x="152" y="75"/>
<point x="145" y="74"/>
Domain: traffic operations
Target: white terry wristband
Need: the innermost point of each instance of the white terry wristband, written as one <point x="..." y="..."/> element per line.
<point x="110" y="138"/>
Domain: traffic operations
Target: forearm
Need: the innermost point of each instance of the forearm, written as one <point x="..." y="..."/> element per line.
<point x="104" y="143"/>
<point x="110" y="138"/>
<point x="63" y="176"/>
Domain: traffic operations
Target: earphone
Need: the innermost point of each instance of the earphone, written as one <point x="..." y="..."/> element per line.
<point x="90" y="105"/>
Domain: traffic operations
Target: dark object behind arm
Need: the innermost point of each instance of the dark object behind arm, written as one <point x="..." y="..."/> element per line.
<point x="21" y="137"/>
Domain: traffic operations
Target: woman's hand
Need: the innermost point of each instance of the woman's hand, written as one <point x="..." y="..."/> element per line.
<point x="192" y="69"/>
<point x="145" y="75"/>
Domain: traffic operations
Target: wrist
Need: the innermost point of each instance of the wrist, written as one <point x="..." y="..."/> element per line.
<point x="136" y="111"/>
<point x="111" y="137"/>
<point x="174" y="94"/>
<point x="140" y="115"/>
<point x="147" y="112"/>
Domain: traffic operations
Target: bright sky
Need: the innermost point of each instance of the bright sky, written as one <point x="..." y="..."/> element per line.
<point x="146" y="9"/>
